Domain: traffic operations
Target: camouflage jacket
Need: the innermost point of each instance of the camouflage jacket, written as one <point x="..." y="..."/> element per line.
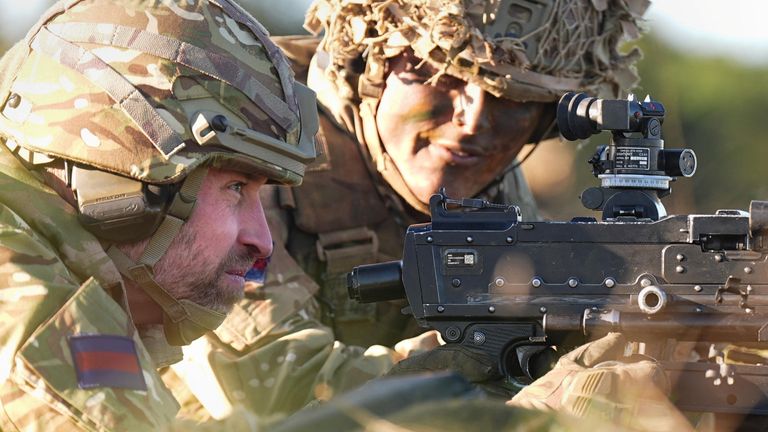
<point x="61" y="297"/>
<point x="296" y="338"/>
<point x="70" y="355"/>
<point x="345" y="214"/>
<point x="58" y="289"/>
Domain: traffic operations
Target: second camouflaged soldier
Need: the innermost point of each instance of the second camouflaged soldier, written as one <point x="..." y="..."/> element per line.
<point x="414" y="95"/>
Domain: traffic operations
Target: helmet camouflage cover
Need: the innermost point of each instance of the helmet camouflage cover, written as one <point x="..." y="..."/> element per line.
<point x="133" y="87"/>
<point x="523" y="50"/>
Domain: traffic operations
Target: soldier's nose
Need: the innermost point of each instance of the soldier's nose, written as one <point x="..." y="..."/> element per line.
<point x="254" y="231"/>
<point x="470" y="111"/>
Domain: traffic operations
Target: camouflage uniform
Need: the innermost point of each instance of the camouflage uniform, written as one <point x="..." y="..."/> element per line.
<point x="353" y="207"/>
<point x="123" y="89"/>
<point x="57" y="282"/>
<point x="274" y="351"/>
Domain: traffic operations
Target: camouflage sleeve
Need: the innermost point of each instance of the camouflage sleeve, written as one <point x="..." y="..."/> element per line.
<point x="43" y="309"/>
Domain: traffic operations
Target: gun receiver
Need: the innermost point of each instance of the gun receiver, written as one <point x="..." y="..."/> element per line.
<point x="515" y="289"/>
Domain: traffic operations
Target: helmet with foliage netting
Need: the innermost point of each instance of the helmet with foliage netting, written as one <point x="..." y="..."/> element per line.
<point x="524" y="50"/>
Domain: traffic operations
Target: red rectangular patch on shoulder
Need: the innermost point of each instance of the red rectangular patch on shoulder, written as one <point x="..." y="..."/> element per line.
<point x="106" y="361"/>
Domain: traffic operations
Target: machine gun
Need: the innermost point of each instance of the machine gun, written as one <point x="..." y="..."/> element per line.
<point x="516" y="289"/>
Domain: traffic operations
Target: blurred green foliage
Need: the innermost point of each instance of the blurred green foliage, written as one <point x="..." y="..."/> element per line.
<point x="719" y="108"/>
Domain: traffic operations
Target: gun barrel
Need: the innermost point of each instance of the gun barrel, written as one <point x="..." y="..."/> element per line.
<point x="376" y="282"/>
<point x="708" y="327"/>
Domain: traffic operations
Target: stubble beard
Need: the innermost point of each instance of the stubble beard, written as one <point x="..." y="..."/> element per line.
<point x="187" y="275"/>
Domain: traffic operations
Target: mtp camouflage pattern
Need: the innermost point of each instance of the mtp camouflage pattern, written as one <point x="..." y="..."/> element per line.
<point x="150" y="91"/>
<point x="597" y="381"/>
<point x="55" y="282"/>
<point x="69" y="91"/>
<point x="117" y="86"/>
<point x="526" y="51"/>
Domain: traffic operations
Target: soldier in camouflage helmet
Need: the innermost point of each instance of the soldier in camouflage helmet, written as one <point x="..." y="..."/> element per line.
<point x="414" y="95"/>
<point x="135" y="137"/>
<point x="512" y="58"/>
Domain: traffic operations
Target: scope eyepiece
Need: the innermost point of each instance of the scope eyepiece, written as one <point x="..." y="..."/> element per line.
<point x="680" y="162"/>
<point x="580" y="116"/>
<point x="572" y="116"/>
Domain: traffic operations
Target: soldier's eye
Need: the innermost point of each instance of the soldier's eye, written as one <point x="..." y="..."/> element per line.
<point x="237" y="187"/>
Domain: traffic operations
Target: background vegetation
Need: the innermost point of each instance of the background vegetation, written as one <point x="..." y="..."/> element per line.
<point x="715" y="106"/>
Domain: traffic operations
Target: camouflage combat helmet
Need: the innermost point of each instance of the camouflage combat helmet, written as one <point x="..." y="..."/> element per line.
<point x="139" y="98"/>
<point x="523" y="50"/>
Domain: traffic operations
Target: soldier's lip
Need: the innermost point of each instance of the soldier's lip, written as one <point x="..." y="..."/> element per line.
<point x="456" y="153"/>
<point x="235" y="272"/>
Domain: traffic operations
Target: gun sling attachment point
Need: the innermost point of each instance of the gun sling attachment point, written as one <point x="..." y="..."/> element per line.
<point x="485" y="278"/>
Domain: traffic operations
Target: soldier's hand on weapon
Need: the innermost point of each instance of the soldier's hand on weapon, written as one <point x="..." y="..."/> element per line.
<point x="420" y="344"/>
<point x="597" y="380"/>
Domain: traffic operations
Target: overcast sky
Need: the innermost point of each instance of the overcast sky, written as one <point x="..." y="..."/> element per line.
<point x="734" y="28"/>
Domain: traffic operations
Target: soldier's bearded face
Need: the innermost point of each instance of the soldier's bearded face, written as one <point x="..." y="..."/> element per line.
<point x="452" y="134"/>
<point x="226" y="233"/>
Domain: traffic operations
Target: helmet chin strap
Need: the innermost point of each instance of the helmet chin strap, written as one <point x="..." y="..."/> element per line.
<point x="183" y="320"/>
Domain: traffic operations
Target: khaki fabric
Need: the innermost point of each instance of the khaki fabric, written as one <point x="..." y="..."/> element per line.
<point x="430" y="402"/>
<point x="520" y="50"/>
<point x="272" y="353"/>
<point x="56" y="281"/>
<point x="129" y="94"/>
<point x="490" y="415"/>
<point x="343" y="192"/>
<point x="104" y="51"/>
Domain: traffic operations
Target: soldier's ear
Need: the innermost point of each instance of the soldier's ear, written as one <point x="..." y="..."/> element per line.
<point x="546" y="128"/>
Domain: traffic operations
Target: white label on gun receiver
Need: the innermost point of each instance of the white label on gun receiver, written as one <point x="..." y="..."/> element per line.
<point x="638" y="158"/>
<point x="460" y="259"/>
